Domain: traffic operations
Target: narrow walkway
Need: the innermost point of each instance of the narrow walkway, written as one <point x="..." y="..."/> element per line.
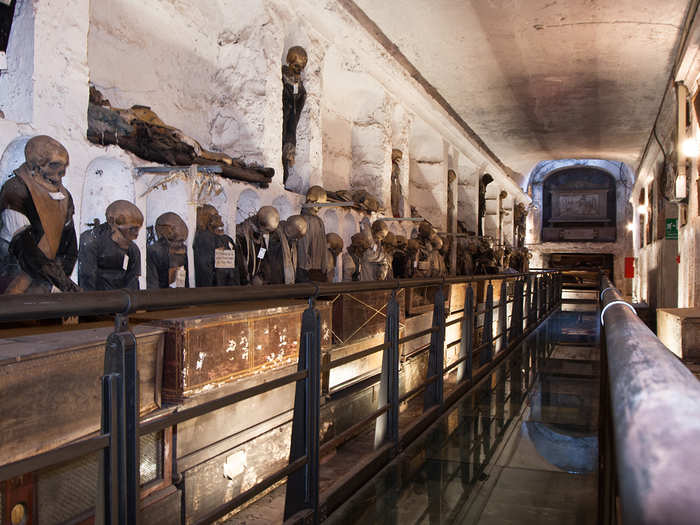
<point x="520" y="448"/>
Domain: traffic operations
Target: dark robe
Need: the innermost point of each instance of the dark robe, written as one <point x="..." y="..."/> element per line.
<point x="101" y="261"/>
<point x="205" y="273"/>
<point x="249" y="242"/>
<point x="279" y="265"/>
<point x="292" y="105"/>
<point x="312" y="247"/>
<point x="43" y="255"/>
<point x="158" y="263"/>
<point x="401" y="265"/>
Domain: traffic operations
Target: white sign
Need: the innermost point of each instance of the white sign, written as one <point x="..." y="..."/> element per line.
<point x="224" y="258"/>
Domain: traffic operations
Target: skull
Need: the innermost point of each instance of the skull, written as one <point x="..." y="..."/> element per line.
<point x="296" y="59"/>
<point x="425" y="230"/>
<point x="334" y="243"/>
<point x="208" y="218"/>
<point x="401" y="242"/>
<point x="389" y="243"/>
<point x="47" y="159"/>
<point x="125" y="220"/>
<point x="268" y="219"/>
<point x="173" y="229"/>
<point x="436" y="241"/>
<point x="396" y="155"/>
<point x="379" y="230"/>
<point x="295" y="227"/>
<point x="359" y="243"/>
<point x="412" y="247"/>
<point x="316" y="194"/>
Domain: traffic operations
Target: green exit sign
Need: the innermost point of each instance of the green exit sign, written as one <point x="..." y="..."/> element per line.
<point x="672" y="229"/>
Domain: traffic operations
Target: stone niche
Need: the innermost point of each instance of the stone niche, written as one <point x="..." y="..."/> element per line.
<point x="679" y="330"/>
<point x="579" y="205"/>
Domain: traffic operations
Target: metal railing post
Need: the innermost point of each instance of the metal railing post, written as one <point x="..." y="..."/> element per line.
<point x="120" y="359"/>
<point x="503" y="317"/>
<point x="387" y="425"/>
<point x="516" y="314"/>
<point x="436" y="357"/>
<point x="466" y="347"/>
<point x="535" y="301"/>
<point x="111" y="494"/>
<point x="302" y="485"/>
<point x="542" y="299"/>
<point x="486" y="353"/>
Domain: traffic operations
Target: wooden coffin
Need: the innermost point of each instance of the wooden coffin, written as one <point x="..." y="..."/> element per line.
<point x="422" y="299"/>
<point x="50" y="386"/>
<point x="458" y="295"/>
<point x="363" y="314"/>
<point x="207" y="346"/>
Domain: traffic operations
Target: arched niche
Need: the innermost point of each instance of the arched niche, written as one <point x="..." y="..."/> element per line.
<point x="106" y="180"/>
<point x="579" y="204"/>
<point x="284" y="207"/>
<point x="330" y="220"/>
<point x="13" y="157"/>
<point x="248" y="205"/>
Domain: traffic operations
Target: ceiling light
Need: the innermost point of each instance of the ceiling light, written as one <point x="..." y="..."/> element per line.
<point x="642" y="209"/>
<point x="630" y="226"/>
<point x="690" y="148"/>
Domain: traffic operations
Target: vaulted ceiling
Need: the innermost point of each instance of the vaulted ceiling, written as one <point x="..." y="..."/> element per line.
<point x="543" y="79"/>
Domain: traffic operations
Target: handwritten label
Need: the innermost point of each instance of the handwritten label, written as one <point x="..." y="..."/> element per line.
<point x="224" y="258"/>
<point x="424" y="265"/>
<point x="262" y="253"/>
<point x="296" y="88"/>
<point x="125" y="262"/>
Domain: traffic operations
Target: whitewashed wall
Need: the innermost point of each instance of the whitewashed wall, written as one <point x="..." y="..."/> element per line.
<point x="212" y="69"/>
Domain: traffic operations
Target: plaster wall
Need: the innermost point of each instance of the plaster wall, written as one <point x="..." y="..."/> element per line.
<point x="212" y="69"/>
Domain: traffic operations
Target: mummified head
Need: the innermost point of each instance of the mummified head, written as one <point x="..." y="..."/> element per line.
<point x="268" y="219"/>
<point x="296" y="59"/>
<point x="208" y="219"/>
<point x="173" y="229"/>
<point x="295" y="227"/>
<point x="334" y="242"/>
<point x="47" y="159"/>
<point x="126" y="220"/>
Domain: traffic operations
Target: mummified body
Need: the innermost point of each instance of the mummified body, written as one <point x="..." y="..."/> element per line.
<point x="252" y="243"/>
<point x="279" y="266"/>
<point x="108" y="258"/>
<point x="167" y="257"/>
<point x="214" y="251"/>
<point x="38" y="246"/>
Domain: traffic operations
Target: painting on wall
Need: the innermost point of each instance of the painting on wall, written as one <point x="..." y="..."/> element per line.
<point x="579" y="205"/>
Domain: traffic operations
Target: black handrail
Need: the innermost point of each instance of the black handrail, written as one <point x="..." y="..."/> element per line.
<point x="652" y="415"/>
<point x="51" y="306"/>
<point x="118" y="493"/>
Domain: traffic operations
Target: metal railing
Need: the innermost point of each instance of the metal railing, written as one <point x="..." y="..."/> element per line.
<point x="534" y="296"/>
<point x="649" y="423"/>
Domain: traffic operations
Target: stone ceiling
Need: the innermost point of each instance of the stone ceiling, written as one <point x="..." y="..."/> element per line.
<point x="543" y="79"/>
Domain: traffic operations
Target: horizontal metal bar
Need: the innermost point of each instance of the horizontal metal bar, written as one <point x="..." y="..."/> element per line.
<point x="341" y="204"/>
<point x="222" y="510"/>
<point x="189" y="413"/>
<point x="454" y="321"/>
<point x="214" y="168"/>
<point x="47" y="306"/>
<point x="655" y="408"/>
<point x="422" y="333"/>
<point x="354" y="357"/>
<point x="59" y="455"/>
<point x="351" y="432"/>
<point x="455" y="363"/>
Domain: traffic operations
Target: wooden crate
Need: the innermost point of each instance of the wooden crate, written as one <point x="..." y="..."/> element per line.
<point x="207" y="346"/>
<point x="50" y="385"/>
<point x="360" y="315"/>
<point x="422" y="299"/>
